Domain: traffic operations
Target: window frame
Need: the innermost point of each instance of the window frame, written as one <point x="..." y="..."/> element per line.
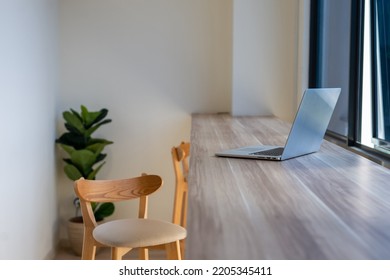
<point x="352" y="140"/>
<point x="374" y="60"/>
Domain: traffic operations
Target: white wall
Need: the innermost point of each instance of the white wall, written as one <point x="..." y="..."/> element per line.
<point x="152" y="64"/>
<point x="28" y="77"/>
<point x="303" y="48"/>
<point x="265" y="57"/>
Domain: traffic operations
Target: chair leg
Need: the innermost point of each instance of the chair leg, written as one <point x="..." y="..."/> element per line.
<point x="89" y="252"/>
<point x="118" y="252"/>
<point x="173" y="250"/>
<point x="185" y="207"/>
<point x="89" y="247"/>
<point x="182" y="248"/>
<point x="178" y="207"/>
<point x="143" y="253"/>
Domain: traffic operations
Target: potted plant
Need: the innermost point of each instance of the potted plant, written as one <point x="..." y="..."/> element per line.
<point x="85" y="159"/>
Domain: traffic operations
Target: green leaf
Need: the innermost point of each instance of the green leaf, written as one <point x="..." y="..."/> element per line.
<point x="73" y="121"/>
<point x="87" y="116"/>
<point x="100" y="157"/>
<point x="77" y="114"/>
<point x="104" y="210"/>
<point x="72" y="139"/>
<point x="90" y="118"/>
<point x="98" y="140"/>
<point x="102" y="115"/>
<point x="68" y="149"/>
<point x="84" y="160"/>
<point x="73" y="129"/>
<point x="92" y="175"/>
<point x="68" y="160"/>
<point x="92" y="129"/>
<point x="72" y="172"/>
<point x="97" y="147"/>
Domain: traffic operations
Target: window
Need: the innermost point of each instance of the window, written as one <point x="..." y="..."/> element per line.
<point x="331" y="60"/>
<point x="380" y="37"/>
<point x="350" y="48"/>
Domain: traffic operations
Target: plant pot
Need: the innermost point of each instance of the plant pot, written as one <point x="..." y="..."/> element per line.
<point x="76" y="234"/>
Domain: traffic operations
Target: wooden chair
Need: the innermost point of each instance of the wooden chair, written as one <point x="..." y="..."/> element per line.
<point x="180" y="155"/>
<point x="180" y="159"/>
<point x="125" y="234"/>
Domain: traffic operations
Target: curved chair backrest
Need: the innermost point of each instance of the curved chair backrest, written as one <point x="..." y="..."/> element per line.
<point x="115" y="190"/>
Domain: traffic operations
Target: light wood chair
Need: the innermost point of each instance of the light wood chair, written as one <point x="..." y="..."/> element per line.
<point x="180" y="159"/>
<point x="125" y="234"/>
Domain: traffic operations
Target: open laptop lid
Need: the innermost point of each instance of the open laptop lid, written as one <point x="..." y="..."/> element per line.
<point x="311" y="121"/>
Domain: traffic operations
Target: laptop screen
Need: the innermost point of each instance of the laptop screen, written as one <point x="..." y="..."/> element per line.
<point x="311" y="121"/>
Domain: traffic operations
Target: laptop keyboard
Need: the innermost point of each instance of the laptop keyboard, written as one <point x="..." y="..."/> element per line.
<point x="272" y="152"/>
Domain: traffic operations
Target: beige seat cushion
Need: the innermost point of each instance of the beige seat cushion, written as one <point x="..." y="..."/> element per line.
<point x="135" y="233"/>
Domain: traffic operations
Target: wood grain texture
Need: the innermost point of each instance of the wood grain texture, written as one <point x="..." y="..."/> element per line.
<point x="117" y="190"/>
<point x="332" y="204"/>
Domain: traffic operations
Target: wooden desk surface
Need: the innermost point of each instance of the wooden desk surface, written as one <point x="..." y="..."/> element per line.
<point x="332" y="204"/>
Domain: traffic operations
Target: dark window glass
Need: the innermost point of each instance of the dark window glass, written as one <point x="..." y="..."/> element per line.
<point x="381" y="57"/>
<point x="336" y="60"/>
<point x="332" y="56"/>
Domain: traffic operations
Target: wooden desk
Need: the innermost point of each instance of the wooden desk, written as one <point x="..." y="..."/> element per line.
<point x="332" y="204"/>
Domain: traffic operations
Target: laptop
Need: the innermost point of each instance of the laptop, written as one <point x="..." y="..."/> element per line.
<point x="307" y="131"/>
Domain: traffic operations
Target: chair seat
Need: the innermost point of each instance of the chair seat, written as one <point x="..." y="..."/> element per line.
<point x="135" y="233"/>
